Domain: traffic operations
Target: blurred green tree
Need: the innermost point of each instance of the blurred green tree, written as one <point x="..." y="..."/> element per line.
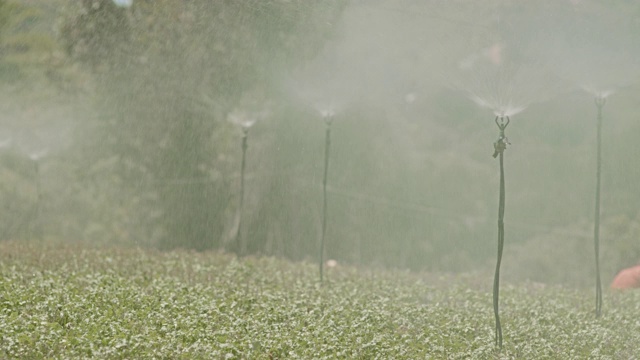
<point x="26" y="46"/>
<point x="167" y="73"/>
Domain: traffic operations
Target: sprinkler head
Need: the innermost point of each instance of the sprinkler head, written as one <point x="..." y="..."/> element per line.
<point x="328" y="119"/>
<point x="509" y="110"/>
<point x="244" y="119"/>
<point x="327" y="113"/>
<point x="37" y="155"/>
<point x="502" y="124"/>
<point x="598" y="93"/>
<point x="501" y="144"/>
<point x="5" y="143"/>
<point x="247" y="123"/>
<point x="410" y="98"/>
<point x="325" y="109"/>
<point x="123" y="3"/>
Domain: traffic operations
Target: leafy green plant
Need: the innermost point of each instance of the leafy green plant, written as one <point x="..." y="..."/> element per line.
<point x="25" y="48"/>
<point x="79" y="302"/>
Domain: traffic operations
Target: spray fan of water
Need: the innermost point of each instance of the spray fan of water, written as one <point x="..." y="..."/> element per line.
<point x="507" y="88"/>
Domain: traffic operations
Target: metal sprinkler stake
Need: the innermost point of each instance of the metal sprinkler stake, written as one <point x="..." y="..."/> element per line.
<point x="37" y="231"/>
<point x="600" y="102"/>
<point x="38" y="224"/>
<point x="241" y="246"/>
<point x="500" y="146"/>
<point x="328" y="119"/>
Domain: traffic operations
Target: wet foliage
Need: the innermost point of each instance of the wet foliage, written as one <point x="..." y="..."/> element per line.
<point x="79" y="302"/>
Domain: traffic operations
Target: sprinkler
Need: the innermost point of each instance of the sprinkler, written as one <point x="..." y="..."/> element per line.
<point x="123" y="3"/>
<point x="239" y="243"/>
<point x="499" y="147"/>
<point x="328" y="119"/>
<point x="35" y="157"/>
<point x="600" y="101"/>
<point x="246" y="121"/>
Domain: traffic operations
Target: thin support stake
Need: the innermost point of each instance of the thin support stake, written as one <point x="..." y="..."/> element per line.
<point x="600" y="101"/>
<point x="327" y="146"/>
<point x="240" y="244"/>
<point x="38" y="222"/>
<point x="499" y="146"/>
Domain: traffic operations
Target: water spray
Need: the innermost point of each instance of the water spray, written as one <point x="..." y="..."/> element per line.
<point x="328" y="120"/>
<point x="500" y="146"/>
<point x="600" y="101"/>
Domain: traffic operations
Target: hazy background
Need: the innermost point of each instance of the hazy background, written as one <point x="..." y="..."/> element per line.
<point x="115" y="128"/>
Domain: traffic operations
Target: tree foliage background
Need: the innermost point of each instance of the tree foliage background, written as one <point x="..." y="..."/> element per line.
<point x="154" y="161"/>
<point x="167" y="74"/>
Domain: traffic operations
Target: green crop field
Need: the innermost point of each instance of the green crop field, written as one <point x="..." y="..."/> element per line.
<point x="79" y="302"/>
